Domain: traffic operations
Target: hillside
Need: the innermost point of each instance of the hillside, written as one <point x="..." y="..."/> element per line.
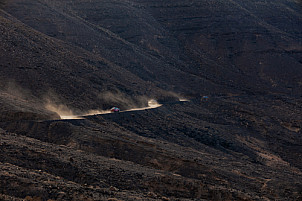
<point x="70" y="57"/>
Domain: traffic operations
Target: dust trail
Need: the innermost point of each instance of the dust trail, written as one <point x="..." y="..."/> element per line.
<point x="62" y="110"/>
<point x="183" y="99"/>
<point x="70" y="117"/>
<point x="65" y="113"/>
<point x="95" y="112"/>
<point x="151" y="104"/>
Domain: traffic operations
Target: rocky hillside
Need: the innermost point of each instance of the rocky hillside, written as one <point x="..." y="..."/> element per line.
<point x="244" y="142"/>
<point x="223" y="149"/>
<point x="136" y="48"/>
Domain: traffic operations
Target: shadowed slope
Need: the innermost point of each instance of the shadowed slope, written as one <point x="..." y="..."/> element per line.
<point x="137" y="46"/>
<point x="243" y="142"/>
<point x="51" y="70"/>
<point x="226" y="148"/>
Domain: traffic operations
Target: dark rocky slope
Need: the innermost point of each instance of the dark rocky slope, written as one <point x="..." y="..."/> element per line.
<point x="212" y="47"/>
<point x="244" y="143"/>
<point x="223" y="149"/>
<point x="226" y="43"/>
<point x="49" y="69"/>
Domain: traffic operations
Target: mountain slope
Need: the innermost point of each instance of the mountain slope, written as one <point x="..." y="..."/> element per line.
<point x="188" y="150"/>
<point x="212" y="47"/>
<point x="243" y="142"/>
<point x="44" y="68"/>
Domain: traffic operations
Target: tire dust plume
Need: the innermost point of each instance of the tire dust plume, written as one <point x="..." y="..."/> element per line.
<point x="65" y="113"/>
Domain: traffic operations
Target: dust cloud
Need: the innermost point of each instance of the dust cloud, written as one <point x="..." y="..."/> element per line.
<point x="15" y="97"/>
<point x="183" y="99"/>
<point x="62" y="110"/>
<point x="122" y="100"/>
<point x="108" y="100"/>
<point x="151" y="104"/>
<point x="14" y="89"/>
<point x="65" y="113"/>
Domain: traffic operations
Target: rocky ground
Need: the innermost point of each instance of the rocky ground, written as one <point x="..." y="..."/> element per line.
<point x="242" y="143"/>
<point x="182" y="150"/>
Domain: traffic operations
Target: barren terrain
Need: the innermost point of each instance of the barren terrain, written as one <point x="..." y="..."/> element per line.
<point x="78" y="57"/>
